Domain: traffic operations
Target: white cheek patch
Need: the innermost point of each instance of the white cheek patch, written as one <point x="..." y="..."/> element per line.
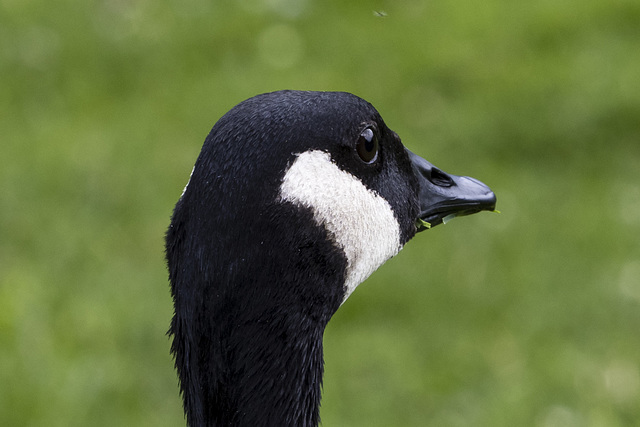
<point x="358" y="220"/>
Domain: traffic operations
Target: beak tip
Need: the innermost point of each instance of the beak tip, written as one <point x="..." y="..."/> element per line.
<point x="467" y="197"/>
<point x="443" y="195"/>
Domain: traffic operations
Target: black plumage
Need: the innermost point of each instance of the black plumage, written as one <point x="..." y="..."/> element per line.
<point x="256" y="280"/>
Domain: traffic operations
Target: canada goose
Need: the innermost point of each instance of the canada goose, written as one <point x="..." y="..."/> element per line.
<point x="294" y="200"/>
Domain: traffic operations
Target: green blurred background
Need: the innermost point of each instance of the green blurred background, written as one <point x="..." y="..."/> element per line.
<point x="528" y="318"/>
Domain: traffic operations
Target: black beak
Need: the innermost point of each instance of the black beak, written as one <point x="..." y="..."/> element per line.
<point x="443" y="196"/>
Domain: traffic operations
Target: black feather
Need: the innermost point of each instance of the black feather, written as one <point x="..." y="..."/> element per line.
<point x="254" y="280"/>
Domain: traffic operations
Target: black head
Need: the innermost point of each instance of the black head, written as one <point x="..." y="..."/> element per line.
<point x="295" y="199"/>
<point x="248" y="151"/>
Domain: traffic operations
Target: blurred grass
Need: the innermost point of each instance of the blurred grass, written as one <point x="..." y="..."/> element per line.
<point x="530" y="317"/>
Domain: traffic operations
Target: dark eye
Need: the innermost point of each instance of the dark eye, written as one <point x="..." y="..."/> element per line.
<point x="367" y="146"/>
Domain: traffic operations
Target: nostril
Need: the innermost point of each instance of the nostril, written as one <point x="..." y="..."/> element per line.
<point x="440" y="178"/>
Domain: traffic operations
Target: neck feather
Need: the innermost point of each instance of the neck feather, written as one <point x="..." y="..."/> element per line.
<point x="247" y="329"/>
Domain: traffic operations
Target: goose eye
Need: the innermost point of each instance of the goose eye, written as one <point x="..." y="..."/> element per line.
<point x="367" y="146"/>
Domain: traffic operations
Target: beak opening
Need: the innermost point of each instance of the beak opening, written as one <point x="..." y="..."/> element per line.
<point x="443" y="196"/>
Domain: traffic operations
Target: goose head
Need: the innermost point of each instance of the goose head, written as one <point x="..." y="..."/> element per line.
<point x="295" y="199"/>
